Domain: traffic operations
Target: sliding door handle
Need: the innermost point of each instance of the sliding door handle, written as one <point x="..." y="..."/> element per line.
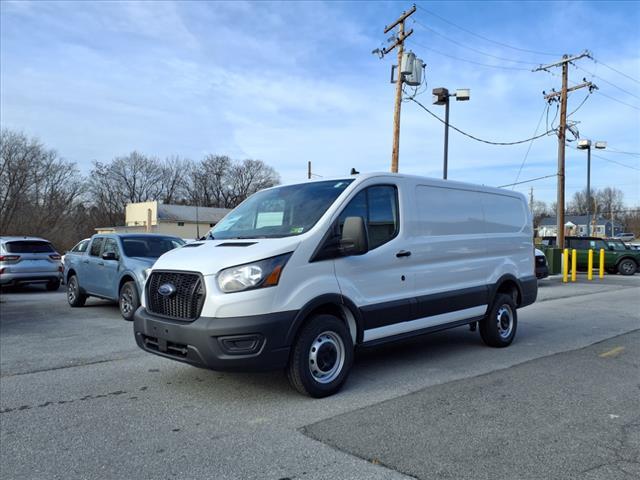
<point x="403" y="253"/>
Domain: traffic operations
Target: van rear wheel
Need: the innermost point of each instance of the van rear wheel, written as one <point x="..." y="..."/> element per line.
<point x="498" y="328"/>
<point x="321" y="357"/>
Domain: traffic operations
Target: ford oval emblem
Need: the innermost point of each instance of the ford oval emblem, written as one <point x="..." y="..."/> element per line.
<point x="167" y="289"/>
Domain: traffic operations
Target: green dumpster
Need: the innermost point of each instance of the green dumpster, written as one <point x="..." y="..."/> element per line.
<point x="554" y="260"/>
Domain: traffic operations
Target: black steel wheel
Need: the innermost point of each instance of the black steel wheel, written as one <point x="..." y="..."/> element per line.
<point x="498" y="328"/>
<point x="321" y="357"/>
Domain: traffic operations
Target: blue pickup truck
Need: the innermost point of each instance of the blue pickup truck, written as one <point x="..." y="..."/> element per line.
<point x="114" y="267"/>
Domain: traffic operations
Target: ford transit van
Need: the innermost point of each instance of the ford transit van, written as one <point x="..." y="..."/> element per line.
<point x="297" y="276"/>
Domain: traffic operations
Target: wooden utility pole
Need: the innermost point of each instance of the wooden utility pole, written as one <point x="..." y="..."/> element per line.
<point x="562" y="133"/>
<point x="399" y="43"/>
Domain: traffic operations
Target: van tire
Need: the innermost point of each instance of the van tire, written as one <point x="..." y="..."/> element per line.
<point x="329" y="337"/>
<point x="75" y="297"/>
<point x="128" y="300"/>
<point x="627" y="267"/>
<point x="498" y="328"/>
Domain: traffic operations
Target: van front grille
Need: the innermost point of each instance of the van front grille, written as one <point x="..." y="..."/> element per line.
<point x="186" y="297"/>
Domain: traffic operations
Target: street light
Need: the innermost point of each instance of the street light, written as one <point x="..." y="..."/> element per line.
<point x="584" y="144"/>
<point x="441" y="97"/>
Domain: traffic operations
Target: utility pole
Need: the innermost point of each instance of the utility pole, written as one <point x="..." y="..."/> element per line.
<point x="562" y="130"/>
<point x="309" y="169"/>
<point x="531" y="199"/>
<point x="399" y="44"/>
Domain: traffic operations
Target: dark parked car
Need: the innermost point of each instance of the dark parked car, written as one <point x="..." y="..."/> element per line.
<point x="26" y="260"/>
<point x="542" y="269"/>
<point x="114" y="267"/>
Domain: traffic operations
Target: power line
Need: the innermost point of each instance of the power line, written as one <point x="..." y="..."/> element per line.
<point x="471" y="48"/>
<point x="474" y="137"/>
<point x="609" y="160"/>
<point x="438" y="52"/>
<point x="607" y="81"/>
<point x="617" y="100"/>
<point x="581" y="104"/>
<point x="485" y="38"/>
<point x="531" y="143"/>
<point x="616" y="162"/>
<point x="615" y="70"/>
<point x="613" y="150"/>
<point x="528" y="181"/>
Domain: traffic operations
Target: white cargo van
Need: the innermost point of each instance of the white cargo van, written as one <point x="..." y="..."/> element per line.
<point x="298" y="275"/>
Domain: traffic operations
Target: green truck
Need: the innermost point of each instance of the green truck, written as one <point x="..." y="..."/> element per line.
<point x="618" y="257"/>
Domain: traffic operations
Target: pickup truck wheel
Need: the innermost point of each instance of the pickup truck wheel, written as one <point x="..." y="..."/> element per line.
<point x="74" y="296"/>
<point x="627" y="267"/>
<point x="128" y="300"/>
<point x="321" y="357"/>
<point x="498" y="328"/>
<point x="53" y="285"/>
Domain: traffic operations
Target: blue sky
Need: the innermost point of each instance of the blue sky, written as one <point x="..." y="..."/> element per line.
<point x="292" y="82"/>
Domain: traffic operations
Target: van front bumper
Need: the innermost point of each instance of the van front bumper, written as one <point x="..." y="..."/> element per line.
<point x="253" y="343"/>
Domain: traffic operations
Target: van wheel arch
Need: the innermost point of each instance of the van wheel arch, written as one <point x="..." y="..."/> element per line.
<point x="330" y="304"/>
<point x="507" y="284"/>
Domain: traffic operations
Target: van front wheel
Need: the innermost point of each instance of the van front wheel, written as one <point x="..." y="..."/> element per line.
<point x="321" y="357"/>
<point x="498" y="328"/>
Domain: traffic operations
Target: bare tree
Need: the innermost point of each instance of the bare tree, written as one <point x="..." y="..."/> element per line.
<point x="539" y="210"/>
<point x="38" y="190"/>
<point x="218" y="181"/>
<point x="610" y="202"/>
<point x="130" y="179"/>
<point x="578" y="204"/>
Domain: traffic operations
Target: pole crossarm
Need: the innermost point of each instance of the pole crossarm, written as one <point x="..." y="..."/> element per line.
<point x="399" y="41"/>
<point x="565" y="59"/>
<point x="576" y="87"/>
<point x="400" y="19"/>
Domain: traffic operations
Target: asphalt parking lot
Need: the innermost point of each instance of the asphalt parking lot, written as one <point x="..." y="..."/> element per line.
<point x="78" y="399"/>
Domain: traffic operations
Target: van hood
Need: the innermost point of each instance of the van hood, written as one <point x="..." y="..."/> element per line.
<point x="210" y="256"/>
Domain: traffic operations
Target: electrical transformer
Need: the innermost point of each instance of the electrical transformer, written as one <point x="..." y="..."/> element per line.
<point x="414" y="77"/>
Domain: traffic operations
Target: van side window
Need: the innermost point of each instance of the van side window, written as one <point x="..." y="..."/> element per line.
<point x="378" y="206"/>
<point x="96" y="245"/>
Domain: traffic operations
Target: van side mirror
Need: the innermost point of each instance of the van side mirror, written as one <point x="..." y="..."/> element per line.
<point x="109" y="256"/>
<point x="354" y="240"/>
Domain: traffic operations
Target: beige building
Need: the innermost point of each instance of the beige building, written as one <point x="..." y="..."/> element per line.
<point x="183" y="221"/>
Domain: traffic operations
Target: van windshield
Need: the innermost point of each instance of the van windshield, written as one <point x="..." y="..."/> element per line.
<point x="281" y="211"/>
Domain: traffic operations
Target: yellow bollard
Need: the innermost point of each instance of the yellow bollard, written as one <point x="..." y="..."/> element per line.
<point x="590" y="267"/>
<point x="601" y="273"/>
<point x="565" y="266"/>
<point x="574" y="264"/>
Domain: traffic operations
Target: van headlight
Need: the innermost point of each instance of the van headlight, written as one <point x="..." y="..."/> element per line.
<point x="265" y="273"/>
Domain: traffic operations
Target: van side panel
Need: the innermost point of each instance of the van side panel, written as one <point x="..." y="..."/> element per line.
<point x="509" y="237"/>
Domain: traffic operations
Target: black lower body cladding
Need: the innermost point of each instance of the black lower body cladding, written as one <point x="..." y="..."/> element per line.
<point x="253" y="343"/>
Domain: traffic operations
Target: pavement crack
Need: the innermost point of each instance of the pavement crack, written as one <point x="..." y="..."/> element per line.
<point x="63" y="402"/>
<point x="63" y="367"/>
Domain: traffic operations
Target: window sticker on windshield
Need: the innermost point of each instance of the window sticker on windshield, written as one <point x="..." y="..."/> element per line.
<point x="297" y="229"/>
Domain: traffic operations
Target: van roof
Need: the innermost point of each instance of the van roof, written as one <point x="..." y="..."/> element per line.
<point x="360" y="177"/>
